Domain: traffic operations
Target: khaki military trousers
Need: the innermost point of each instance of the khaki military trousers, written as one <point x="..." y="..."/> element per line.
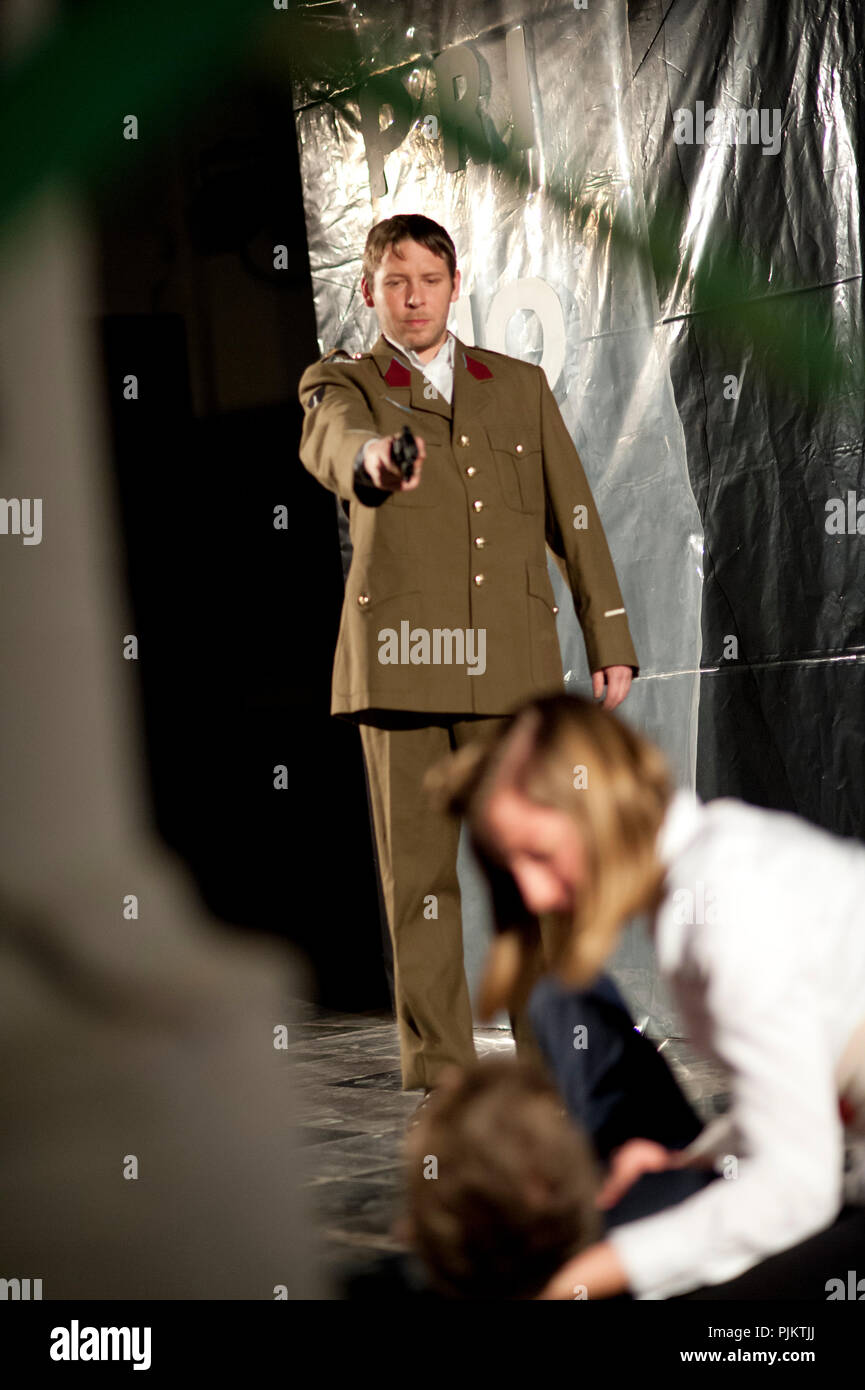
<point x="417" y="851"/>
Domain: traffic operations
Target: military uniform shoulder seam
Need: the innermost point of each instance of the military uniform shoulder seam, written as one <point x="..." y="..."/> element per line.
<point x="498" y="356"/>
<point x="343" y="355"/>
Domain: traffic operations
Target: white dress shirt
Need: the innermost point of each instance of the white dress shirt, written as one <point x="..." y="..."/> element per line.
<point x="761" y="936"/>
<point x="439" y="372"/>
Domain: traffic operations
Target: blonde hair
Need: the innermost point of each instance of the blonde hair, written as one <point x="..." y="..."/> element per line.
<point x="545" y="751"/>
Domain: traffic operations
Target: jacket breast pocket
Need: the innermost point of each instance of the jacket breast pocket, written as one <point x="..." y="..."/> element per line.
<point x="519" y="464"/>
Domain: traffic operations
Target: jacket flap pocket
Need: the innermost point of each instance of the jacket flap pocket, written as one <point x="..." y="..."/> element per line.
<point x="367" y="597"/>
<point x="538" y="583"/>
<point x="513" y="439"/>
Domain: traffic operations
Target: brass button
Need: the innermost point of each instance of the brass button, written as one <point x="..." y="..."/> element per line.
<point x="363" y="600"/>
<point x="464" y="439"/>
<point x="471" y="471"/>
<point x="519" y="448"/>
<point x="479" y="579"/>
<point x="480" y="542"/>
<point x="478" y="506"/>
<point x="555" y="608"/>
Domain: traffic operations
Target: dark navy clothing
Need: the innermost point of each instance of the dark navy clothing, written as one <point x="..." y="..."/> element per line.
<point x="618" y="1087"/>
<point x="614" y="1082"/>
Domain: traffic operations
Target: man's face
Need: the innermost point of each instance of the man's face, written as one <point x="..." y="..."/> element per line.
<point x="540" y="847"/>
<point x="411" y="293"/>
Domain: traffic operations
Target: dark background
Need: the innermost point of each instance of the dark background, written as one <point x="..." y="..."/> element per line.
<point x="236" y="620"/>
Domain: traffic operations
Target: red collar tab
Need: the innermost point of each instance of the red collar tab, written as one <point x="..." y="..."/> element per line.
<point x="478" y="369"/>
<point x="397" y="374"/>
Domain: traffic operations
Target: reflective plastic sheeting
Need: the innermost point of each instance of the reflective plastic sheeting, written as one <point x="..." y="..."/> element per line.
<point x="665" y="413"/>
<point x="540" y="282"/>
<point x="750" y="124"/>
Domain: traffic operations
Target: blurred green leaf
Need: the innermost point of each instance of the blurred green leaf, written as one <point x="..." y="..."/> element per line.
<point x="63" y="100"/>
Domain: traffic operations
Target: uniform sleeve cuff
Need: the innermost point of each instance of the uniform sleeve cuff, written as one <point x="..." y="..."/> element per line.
<point x="364" y="489"/>
<point x="638" y="1244"/>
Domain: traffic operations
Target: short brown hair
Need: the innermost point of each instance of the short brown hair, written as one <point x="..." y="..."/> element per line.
<point x="512" y="1195"/>
<point x="396" y="229"/>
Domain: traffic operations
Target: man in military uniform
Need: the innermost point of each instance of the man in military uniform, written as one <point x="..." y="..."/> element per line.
<point x="449" y="614"/>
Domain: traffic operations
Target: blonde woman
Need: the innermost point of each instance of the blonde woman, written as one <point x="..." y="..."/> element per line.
<point x="759" y="927"/>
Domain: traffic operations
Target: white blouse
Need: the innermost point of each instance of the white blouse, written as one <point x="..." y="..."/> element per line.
<point x="761" y="936"/>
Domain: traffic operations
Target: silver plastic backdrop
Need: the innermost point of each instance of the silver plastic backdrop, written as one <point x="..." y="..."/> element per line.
<point x="783" y="685"/>
<point x="541" y="282"/>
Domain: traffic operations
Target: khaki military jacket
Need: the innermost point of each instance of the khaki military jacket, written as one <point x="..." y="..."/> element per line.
<point x="448" y="604"/>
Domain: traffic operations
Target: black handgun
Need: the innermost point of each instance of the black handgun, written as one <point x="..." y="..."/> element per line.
<point x="403" y="452"/>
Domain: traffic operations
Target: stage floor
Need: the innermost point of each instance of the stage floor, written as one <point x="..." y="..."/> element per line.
<point x="353" y="1116"/>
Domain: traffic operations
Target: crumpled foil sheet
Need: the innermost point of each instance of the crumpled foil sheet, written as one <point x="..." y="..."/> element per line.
<point x="589" y="106"/>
